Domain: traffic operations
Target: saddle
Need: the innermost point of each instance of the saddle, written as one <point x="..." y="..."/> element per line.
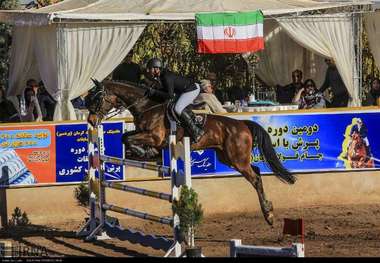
<point x="200" y="119"/>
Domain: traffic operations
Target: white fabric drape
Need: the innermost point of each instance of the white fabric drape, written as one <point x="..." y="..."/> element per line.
<point x="86" y="52"/>
<point x="22" y="59"/>
<point x="282" y="55"/>
<point x="46" y="52"/>
<point x="330" y="37"/>
<point x="372" y="26"/>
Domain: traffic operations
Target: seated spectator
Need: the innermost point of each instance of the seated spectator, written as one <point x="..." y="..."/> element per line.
<point x="29" y="106"/>
<point x="334" y="81"/>
<point x="213" y="105"/>
<point x="308" y="97"/>
<point x="47" y="103"/>
<point x="286" y="94"/>
<point x="79" y="102"/>
<point x="8" y="112"/>
<point x="127" y="70"/>
<point x="373" y="96"/>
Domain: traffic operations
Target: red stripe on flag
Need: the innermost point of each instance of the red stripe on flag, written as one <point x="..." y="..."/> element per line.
<point x="230" y="46"/>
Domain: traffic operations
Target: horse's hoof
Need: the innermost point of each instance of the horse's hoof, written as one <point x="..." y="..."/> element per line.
<point x="269" y="218"/>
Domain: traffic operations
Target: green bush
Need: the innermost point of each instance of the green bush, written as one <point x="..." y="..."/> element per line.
<point x="82" y="194"/>
<point x="19" y="218"/>
<point x="190" y="213"/>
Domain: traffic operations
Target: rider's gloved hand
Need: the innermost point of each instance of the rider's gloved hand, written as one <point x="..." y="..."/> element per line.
<point x="149" y="92"/>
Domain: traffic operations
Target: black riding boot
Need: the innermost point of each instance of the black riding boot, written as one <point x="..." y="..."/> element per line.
<point x="188" y="121"/>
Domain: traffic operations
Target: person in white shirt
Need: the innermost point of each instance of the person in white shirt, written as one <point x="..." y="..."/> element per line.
<point x="207" y="96"/>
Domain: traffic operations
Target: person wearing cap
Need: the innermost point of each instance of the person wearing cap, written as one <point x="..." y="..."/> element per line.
<point x="173" y="86"/>
<point x="361" y="129"/>
<point x="207" y="96"/>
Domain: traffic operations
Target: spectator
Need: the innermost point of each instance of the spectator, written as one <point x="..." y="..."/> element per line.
<point x="47" y="103"/>
<point x="308" y="96"/>
<point x="29" y="106"/>
<point x="373" y="97"/>
<point x="8" y="112"/>
<point x="128" y="70"/>
<point x="286" y="94"/>
<point x="79" y="102"/>
<point x="213" y="105"/>
<point x="334" y="81"/>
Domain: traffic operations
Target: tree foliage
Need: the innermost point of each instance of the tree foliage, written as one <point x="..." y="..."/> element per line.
<point x="5" y="39"/>
<point x="175" y="44"/>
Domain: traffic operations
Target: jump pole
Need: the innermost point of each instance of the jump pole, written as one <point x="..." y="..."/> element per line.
<point x="98" y="206"/>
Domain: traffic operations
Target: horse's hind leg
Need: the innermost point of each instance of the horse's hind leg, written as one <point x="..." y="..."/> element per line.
<point x="255" y="179"/>
<point x="252" y="174"/>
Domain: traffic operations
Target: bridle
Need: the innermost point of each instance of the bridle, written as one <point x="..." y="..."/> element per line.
<point x="102" y="96"/>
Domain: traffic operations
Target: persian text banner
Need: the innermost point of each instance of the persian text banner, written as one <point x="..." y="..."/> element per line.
<point x="309" y="143"/>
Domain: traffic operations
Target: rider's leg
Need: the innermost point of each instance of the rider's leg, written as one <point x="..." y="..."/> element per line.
<point x="186" y="115"/>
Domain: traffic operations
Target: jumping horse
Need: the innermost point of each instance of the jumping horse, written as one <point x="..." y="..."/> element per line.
<point x="357" y="153"/>
<point x="233" y="140"/>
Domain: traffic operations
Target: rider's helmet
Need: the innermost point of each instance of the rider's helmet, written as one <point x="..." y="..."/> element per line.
<point x="154" y="63"/>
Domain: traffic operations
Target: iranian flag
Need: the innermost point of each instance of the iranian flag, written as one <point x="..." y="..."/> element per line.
<point x="230" y="32"/>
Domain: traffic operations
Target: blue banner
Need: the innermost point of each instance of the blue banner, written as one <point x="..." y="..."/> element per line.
<point x="72" y="156"/>
<point x="308" y="142"/>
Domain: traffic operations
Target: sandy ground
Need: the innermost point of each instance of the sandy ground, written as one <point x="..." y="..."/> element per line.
<point x="331" y="231"/>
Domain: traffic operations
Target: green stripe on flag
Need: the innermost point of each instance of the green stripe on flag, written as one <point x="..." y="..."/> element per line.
<point x="233" y="19"/>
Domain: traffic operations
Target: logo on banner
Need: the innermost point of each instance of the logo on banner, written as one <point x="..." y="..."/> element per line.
<point x="230" y="32"/>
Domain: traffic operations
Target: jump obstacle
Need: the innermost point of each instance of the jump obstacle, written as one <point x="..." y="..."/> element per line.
<point x="100" y="226"/>
<point x="293" y="227"/>
<point x="238" y="250"/>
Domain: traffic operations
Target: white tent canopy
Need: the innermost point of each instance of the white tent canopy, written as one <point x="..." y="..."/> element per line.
<point x="127" y="10"/>
<point x="68" y="43"/>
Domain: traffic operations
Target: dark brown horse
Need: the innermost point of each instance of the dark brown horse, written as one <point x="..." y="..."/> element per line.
<point x="357" y="153"/>
<point x="233" y="140"/>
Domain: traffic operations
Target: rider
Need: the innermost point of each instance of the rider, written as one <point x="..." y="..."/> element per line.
<point x="174" y="86"/>
<point x="361" y="129"/>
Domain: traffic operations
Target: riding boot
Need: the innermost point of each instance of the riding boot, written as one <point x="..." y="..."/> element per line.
<point x="188" y="121"/>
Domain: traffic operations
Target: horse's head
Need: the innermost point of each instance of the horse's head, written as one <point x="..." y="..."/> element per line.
<point x="114" y="95"/>
<point x="99" y="102"/>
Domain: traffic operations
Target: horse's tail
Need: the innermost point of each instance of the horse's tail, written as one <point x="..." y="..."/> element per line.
<point x="266" y="149"/>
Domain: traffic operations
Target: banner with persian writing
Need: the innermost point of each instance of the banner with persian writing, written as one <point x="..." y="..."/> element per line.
<point x="29" y="154"/>
<point x="54" y="153"/>
<point x="313" y="142"/>
<point x="72" y="155"/>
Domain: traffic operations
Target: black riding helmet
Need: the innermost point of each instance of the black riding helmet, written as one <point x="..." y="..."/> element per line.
<point x="154" y="63"/>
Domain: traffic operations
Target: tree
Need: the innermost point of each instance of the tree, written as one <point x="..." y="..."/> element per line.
<point x="42" y="3"/>
<point x="5" y="40"/>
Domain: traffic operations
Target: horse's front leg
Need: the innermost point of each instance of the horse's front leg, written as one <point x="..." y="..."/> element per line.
<point x="142" y="143"/>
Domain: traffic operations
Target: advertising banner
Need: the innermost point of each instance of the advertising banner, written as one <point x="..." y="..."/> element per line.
<point x="313" y="142"/>
<point x="54" y="153"/>
<point x="29" y="153"/>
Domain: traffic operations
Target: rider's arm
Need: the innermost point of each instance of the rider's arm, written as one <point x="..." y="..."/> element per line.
<point x="168" y="82"/>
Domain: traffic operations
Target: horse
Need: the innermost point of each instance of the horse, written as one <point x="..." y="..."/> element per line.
<point x="357" y="153"/>
<point x="233" y="140"/>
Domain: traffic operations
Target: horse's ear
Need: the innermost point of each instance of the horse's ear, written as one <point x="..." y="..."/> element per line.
<point x="96" y="82"/>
